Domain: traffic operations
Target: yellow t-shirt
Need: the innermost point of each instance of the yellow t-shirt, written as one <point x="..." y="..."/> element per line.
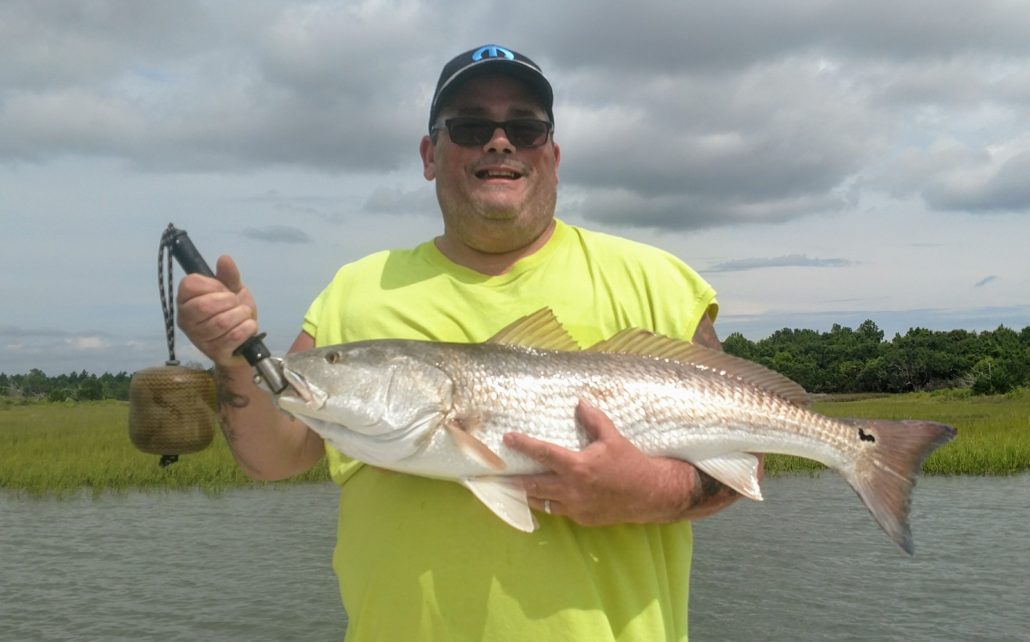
<point x="422" y="559"/>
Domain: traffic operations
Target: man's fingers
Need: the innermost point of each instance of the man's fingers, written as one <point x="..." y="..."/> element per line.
<point x="594" y="422"/>
<point x="545" y="453"/>
<point x="229" y="274"/>
<point x="234" y="325"/>
<point x="202" y="309"/>
<point x="195" y="285"/>
<point x="541" y="485"/>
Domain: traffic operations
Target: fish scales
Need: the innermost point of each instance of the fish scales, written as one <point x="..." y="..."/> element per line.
<point x="661" y="406"/>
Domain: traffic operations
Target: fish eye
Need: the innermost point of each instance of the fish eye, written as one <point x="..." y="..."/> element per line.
<point x="332" y="357"/>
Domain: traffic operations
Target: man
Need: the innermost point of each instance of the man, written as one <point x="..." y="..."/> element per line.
<point x="421" y="559"/>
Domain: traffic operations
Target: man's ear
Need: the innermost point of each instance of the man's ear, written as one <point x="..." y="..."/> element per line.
<point x="557" y="159"/>
<point x="427" y="150"/>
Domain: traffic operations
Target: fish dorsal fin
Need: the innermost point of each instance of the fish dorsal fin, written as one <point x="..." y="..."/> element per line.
<point x="749" y="372"/>
<point x="642" y="342"/>
<point x="540" y="330"/>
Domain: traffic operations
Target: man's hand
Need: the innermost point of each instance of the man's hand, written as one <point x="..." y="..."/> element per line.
<point x="217" y="315"/>
<point x="611" y="481"/>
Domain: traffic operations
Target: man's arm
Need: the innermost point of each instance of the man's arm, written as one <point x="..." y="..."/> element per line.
<point x="218" y="315"/>
<point x="705" y="334"/>
<point x="611" y="481"/>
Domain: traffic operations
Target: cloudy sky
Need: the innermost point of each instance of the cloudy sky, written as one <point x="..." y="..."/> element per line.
<point x="818" y="161"/>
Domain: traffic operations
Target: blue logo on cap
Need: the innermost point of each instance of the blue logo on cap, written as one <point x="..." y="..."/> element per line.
<point x="491" y="51"/>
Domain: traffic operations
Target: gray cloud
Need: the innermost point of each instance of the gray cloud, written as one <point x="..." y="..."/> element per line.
<point x="954" y="177"/>
<point x="312" y="207"/>
<point x="791" y="260"/>
<point x="728" y="113"/>
<point x="277" y="234"/>
<point x="984" y="281"/>
<point x="62" y="44"/>
<point x="311" y="86"/>
<point x="692" y="211"/>
<point x="9" y="332"/>
<point x="395" y="200"/>
<point x="984" y="188"/>
<point x="750" y="106"/>
<point x="51" y="349"/>
<point x="737" y="33"/>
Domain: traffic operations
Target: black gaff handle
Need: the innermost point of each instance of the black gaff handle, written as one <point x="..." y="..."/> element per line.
<point x="253" y="349"/>
<point x="186" y="253"/>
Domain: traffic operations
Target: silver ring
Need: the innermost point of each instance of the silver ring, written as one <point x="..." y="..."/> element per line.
<point x="547" y="506"/>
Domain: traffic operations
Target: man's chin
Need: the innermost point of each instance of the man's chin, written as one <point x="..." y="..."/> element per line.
<point x="500" y="212"/>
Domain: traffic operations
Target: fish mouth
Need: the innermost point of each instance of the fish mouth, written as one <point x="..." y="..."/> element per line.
<point x="312" y="396"/>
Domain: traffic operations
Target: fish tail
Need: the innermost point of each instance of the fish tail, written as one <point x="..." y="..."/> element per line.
<point x="884" y="475"/>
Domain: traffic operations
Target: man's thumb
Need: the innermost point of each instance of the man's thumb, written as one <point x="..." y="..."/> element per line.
<point x="229" y="274"/>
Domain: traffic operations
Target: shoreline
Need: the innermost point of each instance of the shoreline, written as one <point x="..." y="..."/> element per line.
<point x="61" y="448"/>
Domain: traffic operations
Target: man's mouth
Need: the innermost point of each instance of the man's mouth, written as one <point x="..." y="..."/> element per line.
<point x="498" y="173"/>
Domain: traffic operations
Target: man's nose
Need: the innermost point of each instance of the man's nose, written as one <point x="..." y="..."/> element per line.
<point x="499" y="143"/>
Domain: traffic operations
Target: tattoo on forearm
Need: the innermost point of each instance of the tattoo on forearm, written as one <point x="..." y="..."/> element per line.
<point x="227" y="399"/>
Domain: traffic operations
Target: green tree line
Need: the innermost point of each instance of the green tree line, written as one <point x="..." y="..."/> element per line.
<point x="81" y="386"/>
<point x="842" y="360"/>
<point x="845" y="360"/>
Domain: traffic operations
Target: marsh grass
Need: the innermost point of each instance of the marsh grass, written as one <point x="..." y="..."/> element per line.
<point x="67" y="448"/>
<point x="993" y="431"/>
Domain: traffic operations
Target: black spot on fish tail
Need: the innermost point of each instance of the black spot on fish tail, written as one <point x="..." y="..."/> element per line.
<point x="864" y="436"/>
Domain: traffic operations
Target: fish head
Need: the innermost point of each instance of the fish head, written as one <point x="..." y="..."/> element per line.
<point x="375" y="388"/>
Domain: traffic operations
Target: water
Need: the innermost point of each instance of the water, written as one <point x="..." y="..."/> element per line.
<point x="251" y="564"/>
<point x="807" y="564"/>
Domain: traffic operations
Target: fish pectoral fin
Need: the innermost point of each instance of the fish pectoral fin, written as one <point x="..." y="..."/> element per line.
<point x="474" y="448"/>
<point x="506" y="498"/>
<point x="739" y="471"/>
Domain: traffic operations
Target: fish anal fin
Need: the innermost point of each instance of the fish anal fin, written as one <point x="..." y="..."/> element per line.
<point x="461" y="433"/>
<point x="739" y="471"/>
<point x="540" y="330"/>
<point x="506" y="498"/>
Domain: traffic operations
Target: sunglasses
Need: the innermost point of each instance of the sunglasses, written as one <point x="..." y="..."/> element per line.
<point x="524" y="133"/>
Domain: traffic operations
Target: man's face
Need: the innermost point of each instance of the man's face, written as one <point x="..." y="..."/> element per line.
<point x="495" y="198"/>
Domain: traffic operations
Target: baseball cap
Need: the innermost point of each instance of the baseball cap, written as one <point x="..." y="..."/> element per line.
<point x="490" y="59"/>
